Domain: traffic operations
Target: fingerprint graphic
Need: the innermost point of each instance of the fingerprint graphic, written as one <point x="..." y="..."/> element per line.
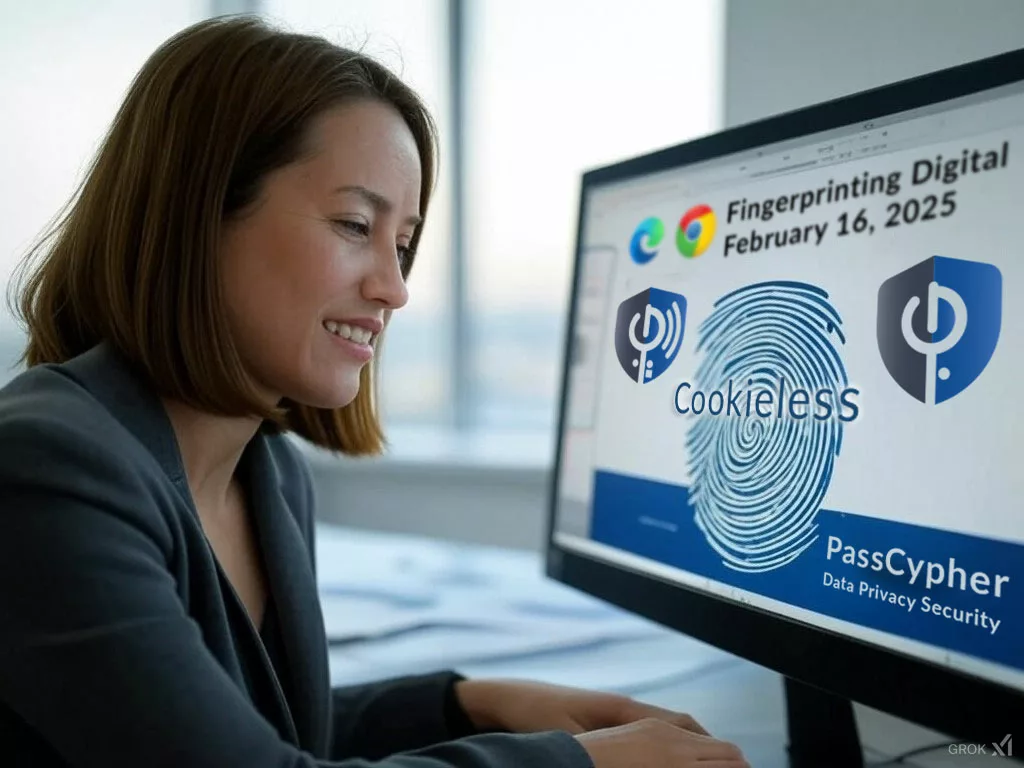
<point x="758" y="482"/>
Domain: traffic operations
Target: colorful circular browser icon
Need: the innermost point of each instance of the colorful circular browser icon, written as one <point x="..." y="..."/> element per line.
<point x="644" y="245"/>
<point x="696" y="230"/>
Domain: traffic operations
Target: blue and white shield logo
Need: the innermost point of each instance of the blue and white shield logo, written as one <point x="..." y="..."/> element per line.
<point x="649" y="332"/>
<point x="938" y="325"/>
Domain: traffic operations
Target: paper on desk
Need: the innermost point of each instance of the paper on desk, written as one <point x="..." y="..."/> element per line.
<point x="409" y="604"/>
<point x="446" y="648"/>
<point x="372" y="583"/>
<point x="467" y="626"/>
<point x="482" y="623"/>
<point x="348" y="619"/>
<point x="630" y="667"/>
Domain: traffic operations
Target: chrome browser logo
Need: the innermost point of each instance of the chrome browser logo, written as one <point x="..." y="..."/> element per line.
<point x="644" y="245"/>
<point x="696" y="230"/>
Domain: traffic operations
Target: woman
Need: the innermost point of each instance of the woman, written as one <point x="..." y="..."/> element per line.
<point x="222" y="278"/>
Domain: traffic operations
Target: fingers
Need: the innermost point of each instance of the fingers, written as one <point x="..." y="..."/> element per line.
<point x="710" y="751"/>
<point x="687" y="723"/>
<point x="700" y="746"/>
<point x="678" y="719"/>
<point x="655" y="741"/>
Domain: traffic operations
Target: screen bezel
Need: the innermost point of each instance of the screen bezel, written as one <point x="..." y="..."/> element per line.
<point x="938" y="697"/>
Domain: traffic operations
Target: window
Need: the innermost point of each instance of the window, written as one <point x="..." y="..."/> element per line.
<point x="64" y="68"/>
<point x="553" y="89"/>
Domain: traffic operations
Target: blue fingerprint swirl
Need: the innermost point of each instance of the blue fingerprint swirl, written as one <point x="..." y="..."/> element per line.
<point x="758" y="482"/>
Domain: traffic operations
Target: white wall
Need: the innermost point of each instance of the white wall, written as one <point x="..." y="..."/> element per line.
<point x="785" y="54"/>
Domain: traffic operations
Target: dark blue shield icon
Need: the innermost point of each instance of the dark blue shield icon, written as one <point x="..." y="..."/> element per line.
<point x="649" y="333"/>
<point x="938" y="325"/>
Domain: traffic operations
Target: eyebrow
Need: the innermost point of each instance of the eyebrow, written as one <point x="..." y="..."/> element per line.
<point x="378" y="201"/>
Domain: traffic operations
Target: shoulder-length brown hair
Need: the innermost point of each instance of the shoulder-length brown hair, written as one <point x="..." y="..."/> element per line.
<point x="132" y="258"/>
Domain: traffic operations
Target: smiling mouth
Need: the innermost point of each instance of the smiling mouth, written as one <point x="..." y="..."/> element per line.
<point x="350" y="332"/>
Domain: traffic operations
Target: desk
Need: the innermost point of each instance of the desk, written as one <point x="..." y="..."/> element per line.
<point x="397" y="604"/>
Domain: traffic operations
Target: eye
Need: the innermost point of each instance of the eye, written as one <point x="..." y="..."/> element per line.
<point x="406" y="254"/>
<point x="355" y="227"/>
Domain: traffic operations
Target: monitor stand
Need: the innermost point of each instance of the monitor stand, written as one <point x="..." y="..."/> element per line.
<point x="822" y="729"/>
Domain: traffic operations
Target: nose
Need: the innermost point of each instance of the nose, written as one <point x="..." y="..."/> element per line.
<point x="384" y="283"/>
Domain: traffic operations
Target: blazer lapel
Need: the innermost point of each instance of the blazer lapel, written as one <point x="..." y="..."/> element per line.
<point x="291" y="580"/>
<point x="293" y="589"/>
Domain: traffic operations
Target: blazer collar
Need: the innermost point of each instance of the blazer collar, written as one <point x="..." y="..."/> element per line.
<point x="293" y="589"/>
<point x="123" y="391"/>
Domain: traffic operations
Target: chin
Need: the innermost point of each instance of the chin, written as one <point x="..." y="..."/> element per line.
<point x="329" y="397"/>
<point x="332" y="402"/>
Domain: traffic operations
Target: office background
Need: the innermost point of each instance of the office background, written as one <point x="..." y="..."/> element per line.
<point x="527" y="95"/>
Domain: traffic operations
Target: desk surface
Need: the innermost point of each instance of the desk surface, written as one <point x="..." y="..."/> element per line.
<point x="398" y="605"/>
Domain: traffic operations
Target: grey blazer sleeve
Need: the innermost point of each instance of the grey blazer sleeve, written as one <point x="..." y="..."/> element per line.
<point x="381" y="718"/>
<point x="98" y="654"/>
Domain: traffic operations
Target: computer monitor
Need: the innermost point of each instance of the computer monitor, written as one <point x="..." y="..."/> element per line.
<point x="791" y="422"/>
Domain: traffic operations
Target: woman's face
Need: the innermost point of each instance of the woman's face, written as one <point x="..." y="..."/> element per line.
<point x="312" y="273"/>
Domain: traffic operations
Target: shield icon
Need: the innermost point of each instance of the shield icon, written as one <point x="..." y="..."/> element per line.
<point x="938" y="325"/>
<point x="648" y="331"/>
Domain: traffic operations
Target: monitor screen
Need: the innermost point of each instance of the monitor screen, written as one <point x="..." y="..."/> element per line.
<point x="794" y="381"/>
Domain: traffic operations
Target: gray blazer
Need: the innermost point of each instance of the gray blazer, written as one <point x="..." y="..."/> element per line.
<point x="123" y="644"/>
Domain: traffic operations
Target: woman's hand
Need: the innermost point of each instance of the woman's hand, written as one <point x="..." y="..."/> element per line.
<point x="524" y="707"/>
<point x="652" y="743"/>
<point x="616" y="731"/>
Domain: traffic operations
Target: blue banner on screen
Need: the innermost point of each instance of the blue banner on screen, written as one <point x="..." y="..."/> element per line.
<point x="955" y="591"/>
